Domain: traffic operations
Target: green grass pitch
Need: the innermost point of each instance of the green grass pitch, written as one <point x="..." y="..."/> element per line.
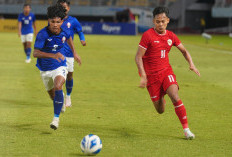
<point x="107" y="101"/>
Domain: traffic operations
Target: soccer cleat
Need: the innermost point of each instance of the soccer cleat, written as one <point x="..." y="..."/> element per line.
<point x="28" y="60"/>
<point x="55" y="123"/>
<point x="68" y="101"/>
<point x="188" y="134"/>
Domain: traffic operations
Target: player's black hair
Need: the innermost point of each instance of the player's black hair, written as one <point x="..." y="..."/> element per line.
<point x="56" y="11"/>
<point x="64" y="1"/>
<point x="26" y="4"/>
<point x="160" y="10"/>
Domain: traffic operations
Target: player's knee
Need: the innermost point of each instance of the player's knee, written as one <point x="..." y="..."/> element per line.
<point x="160" y="111"/>
<point x="58" y="86"/>
<point x="52" y="97"/>
<point x="175" y="98"/>
<point x="70" y="76"/>
<point x="159" y="106"/>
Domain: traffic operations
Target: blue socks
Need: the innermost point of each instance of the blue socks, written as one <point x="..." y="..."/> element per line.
<point x="58" y="102"/>
<point x="69" y="86"/>
<point x="28" y="52"/>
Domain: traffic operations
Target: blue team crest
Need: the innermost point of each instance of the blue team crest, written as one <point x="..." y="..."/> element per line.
<point x="68" y="24"/>
<point x="63" y="39"/>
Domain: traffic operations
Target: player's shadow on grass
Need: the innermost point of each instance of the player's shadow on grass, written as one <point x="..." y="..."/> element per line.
<point x="45" y="133"/>
<point x="23" y="126"/>
<point x="17" y="103"/>
<point x="77" y="154"/>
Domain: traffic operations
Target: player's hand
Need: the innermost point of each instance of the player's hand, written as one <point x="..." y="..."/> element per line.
<point x="59" y="57"/>
<point x="19" y="34"/>
<point x="83" y="43"/>
<point x="77" y="58"/>
<point x="194" y="69"/>
<point x="143" y="82"/>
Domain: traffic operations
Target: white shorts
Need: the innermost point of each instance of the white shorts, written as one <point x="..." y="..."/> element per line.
<point x="70" y="64"/>
<point x="48" y="77"/>
<point x="27" y="38"/>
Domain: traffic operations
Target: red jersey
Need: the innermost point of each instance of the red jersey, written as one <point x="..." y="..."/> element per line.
<point x="157" y="48"/>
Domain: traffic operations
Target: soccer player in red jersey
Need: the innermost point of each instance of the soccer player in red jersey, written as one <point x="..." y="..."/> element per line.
<point x="154" y="68"/>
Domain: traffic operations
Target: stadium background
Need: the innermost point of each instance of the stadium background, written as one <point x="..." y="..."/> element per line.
<point x="185" y="15"/>
<point x="106" y="98"/>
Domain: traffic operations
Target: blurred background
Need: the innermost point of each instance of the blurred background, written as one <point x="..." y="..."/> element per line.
<point x="135" y="16"/>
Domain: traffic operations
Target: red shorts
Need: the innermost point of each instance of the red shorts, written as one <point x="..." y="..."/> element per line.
<point x="158" y="84"/>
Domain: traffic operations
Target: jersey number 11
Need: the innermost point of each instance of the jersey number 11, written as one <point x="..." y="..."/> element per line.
<point x="163" y="53"/>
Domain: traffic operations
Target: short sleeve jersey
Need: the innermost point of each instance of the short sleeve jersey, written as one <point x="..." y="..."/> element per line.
<point x="50" y="43"/>
<point x="27" y="23"/>
<point x="72" y="25"/>
<point x="157" y="48"/>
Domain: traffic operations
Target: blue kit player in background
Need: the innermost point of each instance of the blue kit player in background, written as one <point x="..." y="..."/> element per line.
<point x="26" y="23"/>
<point x="51" y="61"/>
<point x="71" y="24"/>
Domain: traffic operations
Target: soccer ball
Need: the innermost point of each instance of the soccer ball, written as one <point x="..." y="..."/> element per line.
<point x="91" y="144"/>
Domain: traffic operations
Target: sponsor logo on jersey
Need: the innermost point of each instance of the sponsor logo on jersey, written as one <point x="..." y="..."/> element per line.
<point x="68" y="24"/>
<point x="63" y="39"/>
<point x="156" y="41"/>
<point x="169" y="42"/>
<point x="29" y="17"/>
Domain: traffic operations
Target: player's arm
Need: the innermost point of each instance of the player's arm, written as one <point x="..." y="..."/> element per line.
<point x="188" y="58"/>
<point x="19" y="28"/>
<point x="39" y="54"/>
<point x="82" y="38"/>
<point x="71" y="45"/>
<point x="139" y="61"/>
<point x="80" y="33"/>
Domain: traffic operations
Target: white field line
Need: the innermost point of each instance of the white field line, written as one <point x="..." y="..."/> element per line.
<point x="211" y="49"/>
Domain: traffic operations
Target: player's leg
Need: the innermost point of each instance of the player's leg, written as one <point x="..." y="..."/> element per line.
<point x="160" y="105"/>
<point x="69" y="81"/>
<point x="52" y="93"/>
<point x="29" y="39"/>
<point x="24" y="42"/>
<point x="156" y="93"/>
<point x="172" y="91"/>
<point x="24" y="46"/>
<point x="59" y="76"/>
<point x="58" y="101"/>
<point x="59" y="97"/>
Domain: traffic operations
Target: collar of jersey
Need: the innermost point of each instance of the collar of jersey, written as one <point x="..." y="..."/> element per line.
<point x="27" y="15"/>
<point x="66" y="18"/>
<point x="160" y="34"/>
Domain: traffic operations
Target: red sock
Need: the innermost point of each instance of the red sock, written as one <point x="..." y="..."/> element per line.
<point x="181" y="113"/>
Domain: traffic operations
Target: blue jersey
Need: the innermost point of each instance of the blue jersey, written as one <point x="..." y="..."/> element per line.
<point x="72" y="25"/>
<point x="27" y="23"/>
<point x="50" y="43"/>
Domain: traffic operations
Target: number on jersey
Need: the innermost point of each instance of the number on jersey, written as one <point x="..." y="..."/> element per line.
<point x="26" y="22"/>
<point x="55" y="46"/>
<point x="163" y="53"/>
<point x="171" y="78"/>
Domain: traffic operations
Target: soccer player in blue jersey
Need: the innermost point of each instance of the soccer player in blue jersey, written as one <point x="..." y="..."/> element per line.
<point x="71" y="24"/>
<point x="26" y="23"/>
<point x="51" y="61"/>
